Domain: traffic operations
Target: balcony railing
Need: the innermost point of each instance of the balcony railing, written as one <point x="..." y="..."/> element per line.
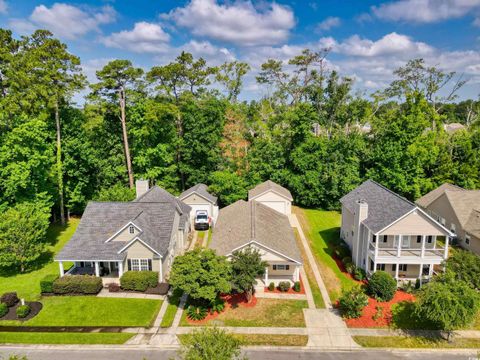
<point x="406" y="252"/>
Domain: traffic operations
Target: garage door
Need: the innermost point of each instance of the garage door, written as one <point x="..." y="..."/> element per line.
<point x="195" y="207"/>
<point x="280" y="206"/>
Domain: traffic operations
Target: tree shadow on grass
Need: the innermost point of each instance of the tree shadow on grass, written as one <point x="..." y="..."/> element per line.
<point x="336" y="247"/>
<point x="404" y="318"/>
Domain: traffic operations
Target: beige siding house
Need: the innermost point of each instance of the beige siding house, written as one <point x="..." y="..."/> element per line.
<point x="458" y="210"/>
<point x="114" y="237"/>
<point x="272" y="195"/>
<point x="198" y="198"/>
<point x="252" y="224"/>
<point x="387" y="232"/>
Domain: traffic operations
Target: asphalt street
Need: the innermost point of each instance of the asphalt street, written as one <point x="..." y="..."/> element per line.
<point x="162" y="354"/>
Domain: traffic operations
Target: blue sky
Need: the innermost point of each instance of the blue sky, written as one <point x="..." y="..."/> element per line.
<point x="368" y="39"/>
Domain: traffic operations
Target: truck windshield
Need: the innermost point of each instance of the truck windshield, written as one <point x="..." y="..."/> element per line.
<point x="202" y="217"/>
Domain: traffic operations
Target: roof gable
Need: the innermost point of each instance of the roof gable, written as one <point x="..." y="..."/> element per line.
<point x="433" y="195"/>
<point x="201" y="190"/>
<point x="269" y="186"/>
<point x="463" y="203"/>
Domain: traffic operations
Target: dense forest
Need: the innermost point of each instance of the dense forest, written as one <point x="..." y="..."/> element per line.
<point x="183" y="123"/>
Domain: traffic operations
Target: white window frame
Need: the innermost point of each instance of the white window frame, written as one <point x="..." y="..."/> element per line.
<point x="131" y="229"/>
<point x="281" y="267"/>
<point x="139" y="264"/>
<point x="402" y="267"/>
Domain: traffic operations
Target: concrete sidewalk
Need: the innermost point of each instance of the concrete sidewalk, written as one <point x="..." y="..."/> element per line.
<point x="467" y="334"/>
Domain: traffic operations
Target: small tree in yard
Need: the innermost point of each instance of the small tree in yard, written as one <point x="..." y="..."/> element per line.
<point x="449" y="303"/>
<point x="210" y="343"/>
<point x="382" y="286"/>
<point x="201" y="274"/>
<point x="22" y="234"/>
<point x="247" y="265"/>
<point x="465" y="265"/>
<point x="352" y="302"/>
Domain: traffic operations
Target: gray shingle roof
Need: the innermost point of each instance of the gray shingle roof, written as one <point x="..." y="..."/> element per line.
<point x="433" y="195"/>
<point x="200" y="189"/>
<point x="153" y="213"/>
<point x="384" y="206"/>
<point x="266" y="186"/>
<point x="243" y="222"/>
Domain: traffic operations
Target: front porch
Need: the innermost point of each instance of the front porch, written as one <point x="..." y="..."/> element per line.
<point x="109" y="271"/>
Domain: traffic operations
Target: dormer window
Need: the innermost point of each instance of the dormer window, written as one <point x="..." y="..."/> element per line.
<point x="131" y="229"/>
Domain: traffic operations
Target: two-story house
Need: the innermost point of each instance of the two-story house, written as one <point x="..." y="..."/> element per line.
<point x="387" y="232"/>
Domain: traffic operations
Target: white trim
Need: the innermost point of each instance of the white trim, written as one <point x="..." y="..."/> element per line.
<point x="264" y="246"/>
<point x="196" y="193"/>
<point x="139" y="263"/>
<point x="143" y="242"/>
<point x="130" y="223"/>
<point x="89" y="260"/>
<point x="272" y="190"/>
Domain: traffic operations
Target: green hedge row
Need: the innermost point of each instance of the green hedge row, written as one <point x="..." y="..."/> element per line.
<point x="46" y="284"/>
<point x="139" y="280"/>
<point x="77" y="284"/>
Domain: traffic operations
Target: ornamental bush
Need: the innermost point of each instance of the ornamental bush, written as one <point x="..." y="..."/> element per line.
<point x="46" y="284"/>
<point x="296" y="286"/>
<point x="139" y="280"/>
<point x="271" y="286"/>
<point x="22" y="311"/>
<point x="382" y="286"/>
<point x="359" y="274"/>
<point x="217" y="306"/>
<point x="77" y="284"/>
<point x="352" y="302"/>
<point x="3" y="310"/>
<point x="350" y="267"/>
<point x="9" y="298"/>
<point x="284" y="286"/>
<point x="197" y="312"/>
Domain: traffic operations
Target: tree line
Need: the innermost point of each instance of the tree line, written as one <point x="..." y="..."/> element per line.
<point x="182" y="123"/>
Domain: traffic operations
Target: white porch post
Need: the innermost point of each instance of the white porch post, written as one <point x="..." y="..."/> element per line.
<point x="399" y="246"/>
<point x="160" y="272"/>
<point x="430" y="270"/>
<point x="423" y="245"/>
<point x="445" y="250"/>
<point x="120" y="268"/>
<point x="296" y="275"/>
<point x="266" y="276"/>
<point x="62" y="271"/>
<point x="396" y="271"/>
<point x="420" y="271"/>
<point x="97" y="269"/>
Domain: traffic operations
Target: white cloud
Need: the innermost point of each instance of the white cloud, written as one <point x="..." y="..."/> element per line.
<point x="329" y="23"/>
<point x="390" y="44"/>
<point x="66" y="21"/>
<point x="425" y="11"/>
<point x="3" y="7"/>
<point x="239" y="22"/>
<point x="143" y="38"/>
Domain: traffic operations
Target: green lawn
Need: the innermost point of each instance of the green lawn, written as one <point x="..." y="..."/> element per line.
<point x="263" y="339"/>
<point x="63" y="338"/>
<point x="322" y="229"/>
<point x="266" y="313"/>
<point x="172" y="308"/>
<point x="28" y="285"/>
<point x="415" y="342"/>
<point x="93" y="311"/>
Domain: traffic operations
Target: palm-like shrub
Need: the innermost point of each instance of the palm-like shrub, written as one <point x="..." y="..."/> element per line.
<point x="197" y="312"/>
<point x="382" y="286"/>
<point x="352" y="302"/>
<point x="217" y="306"/>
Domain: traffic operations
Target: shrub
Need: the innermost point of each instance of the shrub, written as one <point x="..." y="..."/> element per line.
<point x="418" y="284"/>
<point x="77" y="284"/>
<point x="284" y="286"/>
<point x="3" y="310"/>
<point x="378" y="313"/>
<point x="382" y="286"/>
<point x="352" y="302"/>
<point x="346" y="260"/>
<point x="359" y="274"/>
<point x="408" y="287"/>
<point x="196" y="312"/>
<point x="46" y="284"/>
<point x="296" y="286"/>
<point x="218" y="305"/>
<point x="271" y="286"/>
<point x="350" y="267"/>
<point x="10" y="299"/>
<point x="113" y="287"/>
<point x="139" y="280"/>
<point x="22" y="311"/>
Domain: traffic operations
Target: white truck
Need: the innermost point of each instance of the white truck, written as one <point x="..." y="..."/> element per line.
<point x="202" y="220"/>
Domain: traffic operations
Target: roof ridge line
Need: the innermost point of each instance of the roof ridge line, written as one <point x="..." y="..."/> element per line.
<point x="393" y="193"/>
<point x="252" y="220"/>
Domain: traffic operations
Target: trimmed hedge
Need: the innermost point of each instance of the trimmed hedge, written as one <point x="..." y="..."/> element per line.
<point x="77" y="284"/>
<point x="46" y="284"/>
<point x="23" y="311"/>
<point x="139" y="280"/>
<point x="3" y="309"/>
<point x="10" y="299"/>
<point x="284" y="286"/>
<point x="382" y="286"/>
<point x="296" y="287"/>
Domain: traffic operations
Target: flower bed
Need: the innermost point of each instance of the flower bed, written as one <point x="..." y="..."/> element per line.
<point x="290" y="291"/>
<point x="384" y="318"/>
<point x="35" y="308"/>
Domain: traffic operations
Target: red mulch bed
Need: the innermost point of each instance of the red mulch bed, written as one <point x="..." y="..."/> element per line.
<point x="231" y="302"/>
<point x="290" y="291"/>
<point x="367" y="321"/>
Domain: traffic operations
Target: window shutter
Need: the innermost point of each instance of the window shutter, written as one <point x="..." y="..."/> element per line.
<point x="129" y="262"/>
<point x="274" y="267"/>
<point x="149" y="264"/>
<point x="287" y="267"/>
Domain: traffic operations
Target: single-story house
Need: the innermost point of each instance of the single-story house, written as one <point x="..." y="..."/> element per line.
<point x="252" y="224"/>
<point x="387" y="232"/>
<point x="272" y="195"/>
<point x="198" y="198"/>
<point x="457" y="209"/>
<point x="113" y="237"/>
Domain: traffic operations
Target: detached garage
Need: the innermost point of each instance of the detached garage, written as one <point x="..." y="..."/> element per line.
<point x="272" y="195"/>
<point x="198" y="198"/>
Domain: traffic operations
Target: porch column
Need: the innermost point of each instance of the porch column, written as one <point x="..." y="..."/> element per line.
<point x="445" y="250"/>
<point x="430" y="270"/>
<point x="296" y="275"/>
<point x="120" y="268"/>
<point x="97" y="269"/>
<point x="423" y="245"/>
<point x="396" y="271"/>
<point x="420" y="271"/>
<point x="62" y="271"/>
<point x="399" y="246"/>
<point x="266" y="276"/>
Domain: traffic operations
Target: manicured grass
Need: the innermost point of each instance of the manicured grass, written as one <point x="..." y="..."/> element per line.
<point x="403" y="317"/>
<point x="209" y="237"/>
<point x="415" y="342"/>
<point x="28" y="285"/>
<point x="63" y="338"/>
<point x="266" y="313"/>
<point x="322" y="229"/>
<point x="93" y="311"/>
<point x="172" y="308"/>
<point x="264" y="339"/>
<point x="317" y="295"/>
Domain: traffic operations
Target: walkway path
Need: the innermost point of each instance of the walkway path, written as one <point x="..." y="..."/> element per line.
<point x="308" y="290"/>
<point x="162" y="311"/>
